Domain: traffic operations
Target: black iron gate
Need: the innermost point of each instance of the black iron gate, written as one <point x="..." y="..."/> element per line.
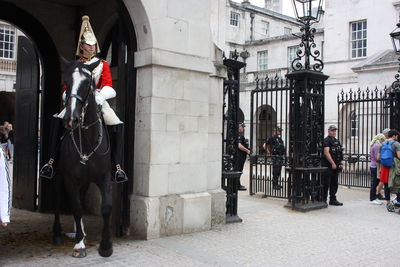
<point x="362" y="114"/>
<point x="270" y="105"/>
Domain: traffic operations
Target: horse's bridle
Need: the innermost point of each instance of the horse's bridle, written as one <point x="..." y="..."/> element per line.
<point x="80" y="126"/>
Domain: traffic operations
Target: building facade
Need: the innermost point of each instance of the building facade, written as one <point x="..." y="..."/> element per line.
<point x="168" y="73"/>
<point x="353" y="39"/>
<point x="8" y="56"/>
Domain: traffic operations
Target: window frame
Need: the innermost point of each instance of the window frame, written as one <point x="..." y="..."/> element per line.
<point x="358" y="39"/>
<point x="265" y="27"/>
<point x="7" y="42"/>
<point x="289" y="60"/>
<point x="287" y="31"/>
<point x="234" y="20"/>
<point x="262" y="60"/>
<point x="354" y="121"/>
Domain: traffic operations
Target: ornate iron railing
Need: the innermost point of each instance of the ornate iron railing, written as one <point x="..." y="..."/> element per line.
<point x="362" y="114"/>
<point x="269" y="108"/>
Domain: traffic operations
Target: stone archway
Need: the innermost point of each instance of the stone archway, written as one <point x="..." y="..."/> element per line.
<point x="53" y="34"/>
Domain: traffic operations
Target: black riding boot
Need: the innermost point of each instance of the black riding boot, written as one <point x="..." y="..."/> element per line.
<point x="47" y="171"/>
<point x="117" y="149"/>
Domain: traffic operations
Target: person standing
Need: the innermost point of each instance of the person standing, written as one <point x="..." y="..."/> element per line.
<point x="385" y="170"/>
<point x="385" y="132"/>
<point x="10" y="142"/>
<point x="375" y="146"/>
<point x="4" y="140"/>
<point x="332" y="158"/>
<point x="5" y="190"/>
<point x="275" y="147"/>
<point x="242" y="152"/>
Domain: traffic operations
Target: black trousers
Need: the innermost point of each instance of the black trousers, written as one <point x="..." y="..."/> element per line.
<point x="276" y="173"/>
<point x="330" y="182"/>
<point x="239" y="165"/>
<point x="374" y="183"/>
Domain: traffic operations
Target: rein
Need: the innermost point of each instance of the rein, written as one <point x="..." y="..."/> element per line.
<point x="85" y="157"/>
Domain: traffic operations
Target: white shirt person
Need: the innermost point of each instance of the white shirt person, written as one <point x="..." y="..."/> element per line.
<point x="5" y="190"/>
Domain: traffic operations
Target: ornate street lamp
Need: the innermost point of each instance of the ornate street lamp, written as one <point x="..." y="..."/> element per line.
<point x="306" y="127"/>
<point x="307" y="12"/>
<point x="394" y="95"/>
<point x="395" y="35"/>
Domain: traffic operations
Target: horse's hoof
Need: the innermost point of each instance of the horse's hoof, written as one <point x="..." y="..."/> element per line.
<point x="58" y="240"/>
<point x="79" y="253"/>
<point x="105" y="252"/>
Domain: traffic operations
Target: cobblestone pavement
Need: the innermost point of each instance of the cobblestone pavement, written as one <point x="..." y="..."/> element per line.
<point x="357" y="234"/>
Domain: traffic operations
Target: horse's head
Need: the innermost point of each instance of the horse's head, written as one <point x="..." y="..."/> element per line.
<point x="79" y="86"/>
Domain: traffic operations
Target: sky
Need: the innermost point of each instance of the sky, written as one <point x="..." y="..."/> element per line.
<point x="287" y="5"/>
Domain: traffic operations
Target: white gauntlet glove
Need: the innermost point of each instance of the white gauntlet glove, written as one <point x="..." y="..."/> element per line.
<point x="103" y="94"/>
<point x="99" y="98"/>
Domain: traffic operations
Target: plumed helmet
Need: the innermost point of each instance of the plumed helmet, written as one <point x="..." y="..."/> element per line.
<point x="86" y="36"/>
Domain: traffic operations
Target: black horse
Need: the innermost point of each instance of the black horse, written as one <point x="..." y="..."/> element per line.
<point x="84" y="154"/>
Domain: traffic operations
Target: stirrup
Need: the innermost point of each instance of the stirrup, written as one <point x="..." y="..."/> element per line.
<point x="120" y="175"/>
<point x="47" y="171"/>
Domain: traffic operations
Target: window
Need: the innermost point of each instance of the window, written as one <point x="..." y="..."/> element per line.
<point x="287" y="31"/>
<point x="292" y="50"/>
<point x="234" y="19"/>
<point x="265" y="27"/>
<point x="353" y="125"/>
<point x="7" y="42"/>
<point x="359" y="39"/>
<point x="262" y="59"/>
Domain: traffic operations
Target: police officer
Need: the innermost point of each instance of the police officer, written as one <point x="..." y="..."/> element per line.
<point x="332" y="158"/>
<point x="243" y="151"/>
<point x="275" y="146"/>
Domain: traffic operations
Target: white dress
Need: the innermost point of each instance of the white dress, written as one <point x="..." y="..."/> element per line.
<point x="5" y="189"/>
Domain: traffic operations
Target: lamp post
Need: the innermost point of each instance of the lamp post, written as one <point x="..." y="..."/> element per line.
<point x="307" y="12"/>
<point x="307" y="91"/>
<point x="394" y="95"/>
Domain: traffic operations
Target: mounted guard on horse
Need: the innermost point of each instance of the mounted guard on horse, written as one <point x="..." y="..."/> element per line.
<point x="86" y="52"/>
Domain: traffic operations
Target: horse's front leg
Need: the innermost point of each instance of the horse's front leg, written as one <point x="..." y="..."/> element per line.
<point x="105" y="248"/>
<point x="57" y="232"/>
<point x="79" y="250"/>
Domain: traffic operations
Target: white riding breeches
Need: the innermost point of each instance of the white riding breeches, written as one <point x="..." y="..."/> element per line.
<point x="109" y="116"/>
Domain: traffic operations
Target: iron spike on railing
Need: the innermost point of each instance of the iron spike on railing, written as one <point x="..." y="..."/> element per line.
<point x="367" y="93"/>
<point x="276" y="78"/>
<point x="376" y="91"/>
<point x="358" y="93"/>
<point x="386" y="90"/>
<point x="341" y="94"/>
<point x="266" y="82"/>
<point x="257" y="82"/>
<point x="350" y="94"/>
<point x="262" y="83"/>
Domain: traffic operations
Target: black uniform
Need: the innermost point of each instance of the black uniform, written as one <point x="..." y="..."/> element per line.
<point x="330" y="177"/>
<point x="277" y="149"/>
<point x="241" y="155"/>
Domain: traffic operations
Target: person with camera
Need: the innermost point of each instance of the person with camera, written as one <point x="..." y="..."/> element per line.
<point x="332" y="158"/>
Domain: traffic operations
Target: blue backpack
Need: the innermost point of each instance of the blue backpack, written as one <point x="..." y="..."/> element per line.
<point x="387" y="154"/>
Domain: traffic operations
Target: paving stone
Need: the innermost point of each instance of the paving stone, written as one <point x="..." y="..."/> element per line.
<point x="356" y="234"/>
